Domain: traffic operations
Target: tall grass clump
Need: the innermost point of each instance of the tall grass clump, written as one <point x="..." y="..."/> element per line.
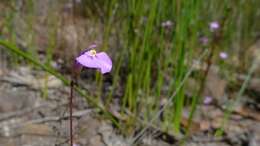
<point x="160" y="55"/>
<point x="160" y="42"/>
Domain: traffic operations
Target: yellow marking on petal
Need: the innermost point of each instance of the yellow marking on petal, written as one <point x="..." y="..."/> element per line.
<point x="93" y="53"/>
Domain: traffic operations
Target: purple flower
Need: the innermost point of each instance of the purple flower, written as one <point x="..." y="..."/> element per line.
<point x="223" y="55"/>
<point x="92" y="59"/>
<point x="207" y="100"/>
<point x="214" y="26"/>
<point x="167" y="24"/>
<point x="204" y="40"/>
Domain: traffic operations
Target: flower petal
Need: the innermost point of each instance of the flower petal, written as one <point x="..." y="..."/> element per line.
<point x="100" y="61"/>
<point x="92" y="46"/>
<point x="105" y="63"/>
<point x="87" y="61"/>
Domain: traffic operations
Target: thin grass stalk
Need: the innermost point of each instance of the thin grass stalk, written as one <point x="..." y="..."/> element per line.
<point x="231" y="104"/>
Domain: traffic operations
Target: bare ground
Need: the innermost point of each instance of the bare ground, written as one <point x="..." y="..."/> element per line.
<point x="29" y="118"/>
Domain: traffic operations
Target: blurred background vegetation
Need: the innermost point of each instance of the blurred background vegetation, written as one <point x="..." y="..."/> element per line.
<point x="154" y="45"/>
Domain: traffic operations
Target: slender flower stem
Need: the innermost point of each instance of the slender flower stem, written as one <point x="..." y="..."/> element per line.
<point x="72" y="82"/>
<point x="70" y="106"/>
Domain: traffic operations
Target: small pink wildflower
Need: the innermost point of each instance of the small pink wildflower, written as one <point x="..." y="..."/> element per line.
<point x="167" y="23"/>
<point x="223" y="55"/>
<point x="207" y="100"/>
<point x="204" y="40"/>
<point x="213" y="26"/>
<point x="92" y="59"/>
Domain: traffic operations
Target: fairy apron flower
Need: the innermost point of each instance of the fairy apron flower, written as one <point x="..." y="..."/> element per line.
<point x="92" y="59"/>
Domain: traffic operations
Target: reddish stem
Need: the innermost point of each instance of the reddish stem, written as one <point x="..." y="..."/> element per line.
<point x="70" y="106"/>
